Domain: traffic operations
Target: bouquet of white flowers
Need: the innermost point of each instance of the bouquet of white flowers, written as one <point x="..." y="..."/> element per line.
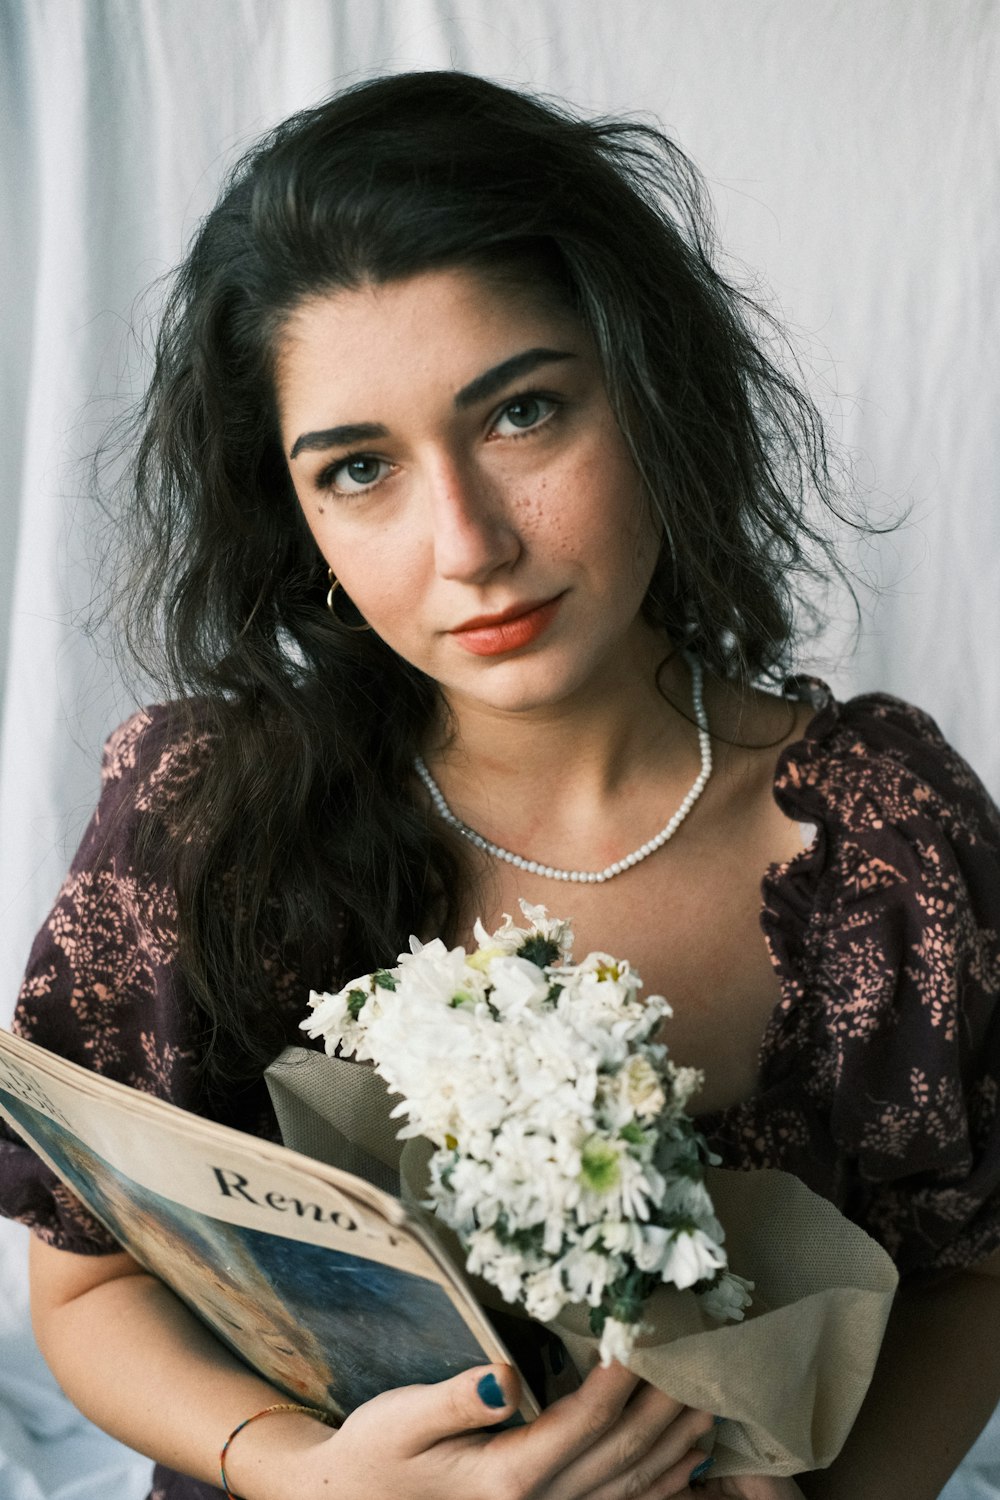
<point x="564" y="1157"/>
<point x="546" y="1126"/>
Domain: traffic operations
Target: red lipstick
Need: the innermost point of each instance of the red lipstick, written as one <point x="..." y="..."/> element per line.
<point x="512" y="629"/>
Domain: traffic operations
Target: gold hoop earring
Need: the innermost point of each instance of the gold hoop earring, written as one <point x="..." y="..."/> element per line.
<point x="334" y="586"/>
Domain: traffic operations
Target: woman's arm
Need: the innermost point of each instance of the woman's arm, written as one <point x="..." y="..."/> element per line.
<point x="935" y="1387"/>
<point x="129" y="1354"/>
<point x="135" y="1361"/>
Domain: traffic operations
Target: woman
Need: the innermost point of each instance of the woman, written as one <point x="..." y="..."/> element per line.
<point x="464" y="496"/>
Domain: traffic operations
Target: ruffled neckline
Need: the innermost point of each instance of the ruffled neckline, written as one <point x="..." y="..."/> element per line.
<point x="790" y="888"/>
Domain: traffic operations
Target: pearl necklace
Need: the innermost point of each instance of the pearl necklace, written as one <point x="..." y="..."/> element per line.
<point x="596" y="877"/>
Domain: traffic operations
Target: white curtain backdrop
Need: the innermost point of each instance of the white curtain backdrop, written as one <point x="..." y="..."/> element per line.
<point x="852" y="151"/>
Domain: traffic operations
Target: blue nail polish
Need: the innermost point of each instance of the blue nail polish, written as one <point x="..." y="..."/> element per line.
<point x="490" y="1393"/>
<point x="701" y="1470"/>
<point x="717" y="1420"/>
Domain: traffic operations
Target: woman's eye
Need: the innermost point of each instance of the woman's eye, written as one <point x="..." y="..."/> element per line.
<point x="523" y="413"/>
<point x="349" y="476"/>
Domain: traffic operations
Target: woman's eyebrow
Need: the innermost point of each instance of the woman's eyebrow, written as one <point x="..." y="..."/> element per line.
<point x="338" y="437"/>
<point x="481" y="389"/>
<point x="494" y="380"/>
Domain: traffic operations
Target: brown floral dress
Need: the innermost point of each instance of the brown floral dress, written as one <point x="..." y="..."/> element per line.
<point x="880" y="1067"/>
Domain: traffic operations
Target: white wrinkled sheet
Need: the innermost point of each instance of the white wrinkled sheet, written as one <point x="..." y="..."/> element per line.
<point x="852" y="152"/>
<point x="48" y="1451"/>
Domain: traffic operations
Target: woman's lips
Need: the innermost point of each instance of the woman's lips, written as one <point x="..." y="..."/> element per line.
<point x="507" y="634"/>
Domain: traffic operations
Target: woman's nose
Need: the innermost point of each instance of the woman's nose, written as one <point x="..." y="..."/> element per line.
<point x="474" y="530"/>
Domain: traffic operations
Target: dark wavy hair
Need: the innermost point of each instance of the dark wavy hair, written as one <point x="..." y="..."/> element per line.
<point x="304" y="816"/>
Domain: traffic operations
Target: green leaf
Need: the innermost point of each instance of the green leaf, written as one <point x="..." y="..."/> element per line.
<point x="356" y="1000"/>
<point x="624" y="1298"/>
<point x="524" y="1240"/>
<point x="539" y="950"/>
<point x="384" y="979"/>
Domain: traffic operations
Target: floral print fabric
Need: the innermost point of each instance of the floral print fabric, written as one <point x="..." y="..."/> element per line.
<point x="103" y="986"/>
<point x="880" y="1068"/>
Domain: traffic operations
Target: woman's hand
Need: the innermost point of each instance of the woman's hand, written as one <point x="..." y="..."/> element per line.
<point x="136" y="1360"/>
<point x="616" y="1438"/>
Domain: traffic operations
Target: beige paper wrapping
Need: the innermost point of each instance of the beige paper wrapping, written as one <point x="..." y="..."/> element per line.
<point x="788" y="1380"/>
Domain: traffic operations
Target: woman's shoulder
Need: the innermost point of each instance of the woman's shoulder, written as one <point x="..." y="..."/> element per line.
<point x="105" y="986"/>
<point x="112" y="930"/>
<point x="906" y="859"/>
<point x="886" y="930"/>
<point x="875" y="768"/>
<point x="159" y="746"/>
<point x="886" y="936"/>
<point x="148" y="764"/>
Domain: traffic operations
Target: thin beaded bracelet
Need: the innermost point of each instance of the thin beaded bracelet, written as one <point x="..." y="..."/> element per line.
<point x="309" y="1411"/>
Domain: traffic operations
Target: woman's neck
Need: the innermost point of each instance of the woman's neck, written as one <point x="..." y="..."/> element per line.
<point x="583" y="774"/>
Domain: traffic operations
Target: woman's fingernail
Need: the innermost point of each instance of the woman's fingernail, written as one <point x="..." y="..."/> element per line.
<point x="490" y="1393"/>
<point x="702" y="1469"/>
<point x="717" y="1420"/>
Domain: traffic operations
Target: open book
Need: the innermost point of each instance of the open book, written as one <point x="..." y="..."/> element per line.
<point x="322" y="1281"/>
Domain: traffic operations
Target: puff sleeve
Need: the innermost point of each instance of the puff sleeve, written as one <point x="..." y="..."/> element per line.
<point x="880" y="1070"/>
<point x="103" y="986"/>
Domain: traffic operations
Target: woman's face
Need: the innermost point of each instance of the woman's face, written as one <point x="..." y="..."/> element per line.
<point x="457" y="461"/>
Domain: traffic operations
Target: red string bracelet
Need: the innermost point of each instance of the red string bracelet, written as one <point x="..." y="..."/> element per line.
<point x="309" y="1411"/>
